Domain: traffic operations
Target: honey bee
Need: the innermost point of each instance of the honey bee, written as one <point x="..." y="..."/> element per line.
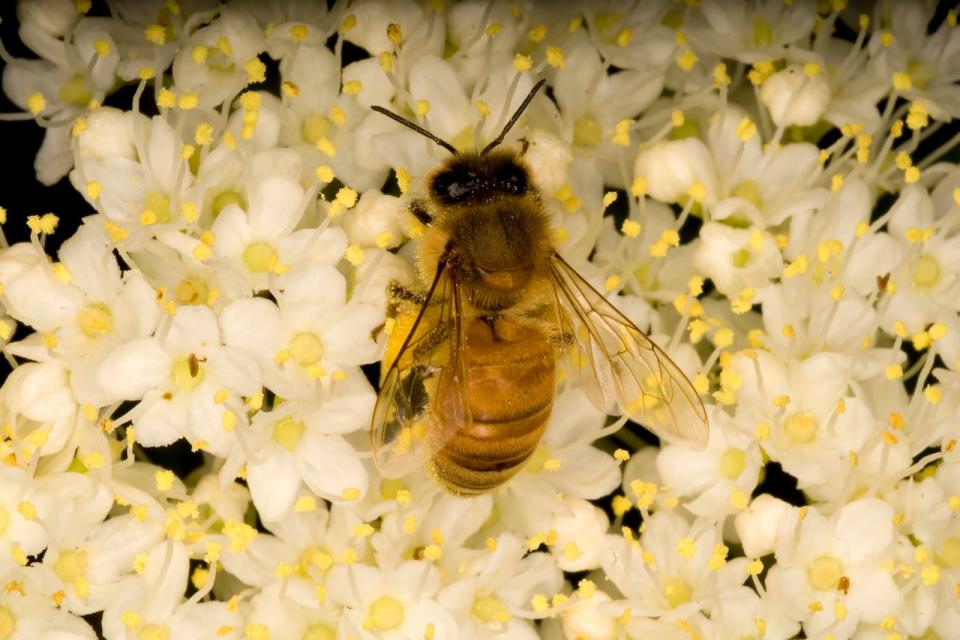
<point x="470" y="373"/>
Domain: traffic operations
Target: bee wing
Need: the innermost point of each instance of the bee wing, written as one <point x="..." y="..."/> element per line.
<point x="421" y="401"/>
<point x="617" y="363"/>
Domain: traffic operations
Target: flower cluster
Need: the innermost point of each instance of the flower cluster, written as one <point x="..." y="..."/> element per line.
<point x="759" y="185"/>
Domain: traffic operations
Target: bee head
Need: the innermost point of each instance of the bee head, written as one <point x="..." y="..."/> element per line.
<point x="472" y="178"/>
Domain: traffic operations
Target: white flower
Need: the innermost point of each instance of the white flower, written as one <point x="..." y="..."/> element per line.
<point x="27" y="612"/>
<point x="766" y="525"/>
<point x="795" y="97"/>
<point x="302" y="442"/>
<point x="676" y="567"/>
<point x="85" y="308"/>
<point x="152" y="603"/>
<point x="750" y="33"/>
<point x="391" y="604"/>
<point x="40" y="408"/>
<point x="140" y="191"/>
<point x="564" y="463"/>
<point x="190" y="383"/>
<point x="719" y="476"/>
<point x="737" y="259"/>
<point x="77" y="67"/>
<point x="836" y="563"/>
<point x="218" y="74"/>
<point x="263" y="241"/>
<point x="312" y="334"/>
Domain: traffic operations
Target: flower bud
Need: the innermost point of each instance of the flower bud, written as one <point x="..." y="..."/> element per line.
<point x="376" y="272"/>
<point x="584" y="620"/>
<point x="549" y="160"/>
<point x="580" y="537"/>
<point x="375" y="221"/>
<point x="764" y="524"/>
<point x="109" y="133"/>
<point x="672" y="167"/>
<point x="794" y="97"/>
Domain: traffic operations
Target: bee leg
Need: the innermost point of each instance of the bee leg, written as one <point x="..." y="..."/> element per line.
<point x="398" y="293"/>
<point x="420" y="212"/>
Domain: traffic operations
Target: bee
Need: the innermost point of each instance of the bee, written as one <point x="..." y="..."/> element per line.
<point x="470" y="373"/>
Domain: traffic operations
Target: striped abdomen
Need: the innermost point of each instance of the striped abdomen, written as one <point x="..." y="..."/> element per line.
<point x="510" y="369"/>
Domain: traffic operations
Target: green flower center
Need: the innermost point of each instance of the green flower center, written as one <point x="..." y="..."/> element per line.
<point x="187" y="373"/>
<point x="824" y="573"/>
<point x="677" y="592"/>
<point x="800" y="428"/>
<point x="75" y="92"/>
<point x="927" y="272"/>
<point x="71" y="565"/>
<point x="95" y="320"/>
<point x="306" y="348"/>
<point x="488" y="609"/>
<point x="259" y="257"/>
<point x="385" y="613"/>
<point x="762" y="32"/>
<point x="288" y="432"/>
<point x="314" y="127"/>
<point x="159" y="204"/>
<point x="587" y="132"/>
<point x="749" y="190"/>
<point x="950" y="552"/>
<point x="732" y="463"/>
<point x="225" y="198"/>
<point x="8" y="624"/>
<point x="192" y="290"/>
<point x="319" y="631"/>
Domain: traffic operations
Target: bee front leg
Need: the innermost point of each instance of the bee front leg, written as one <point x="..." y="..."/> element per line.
<point x="419" y="211"/>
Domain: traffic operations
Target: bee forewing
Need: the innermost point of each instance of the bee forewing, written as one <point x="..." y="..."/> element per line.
<point x="620" y="366"/>
<point x="421" y="404"/>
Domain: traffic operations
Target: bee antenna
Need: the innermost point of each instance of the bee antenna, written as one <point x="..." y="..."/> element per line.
<point x="516" y="116"/>
<point x="413" y="125"/>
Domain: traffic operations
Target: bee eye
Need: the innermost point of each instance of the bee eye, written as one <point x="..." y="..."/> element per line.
<point x="450" y="186"/>
<point x="512" y="178"/>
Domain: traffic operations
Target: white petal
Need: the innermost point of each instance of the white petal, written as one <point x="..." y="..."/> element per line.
<point x="865" y="528"/>
<point x="275" y="207"/>
<point x="193" y="330"/>
<point x="134" y="368"/>
<point x="162" y="423"/>
<point x="273" y="478"/>
<point x="253" y="325"/>
<point x="329" y="465"/>
<point x="231" y="232"/>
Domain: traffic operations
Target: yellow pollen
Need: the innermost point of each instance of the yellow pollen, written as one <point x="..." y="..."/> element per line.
<point x="155" y="34"/>
<point x="555" y="57"/>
